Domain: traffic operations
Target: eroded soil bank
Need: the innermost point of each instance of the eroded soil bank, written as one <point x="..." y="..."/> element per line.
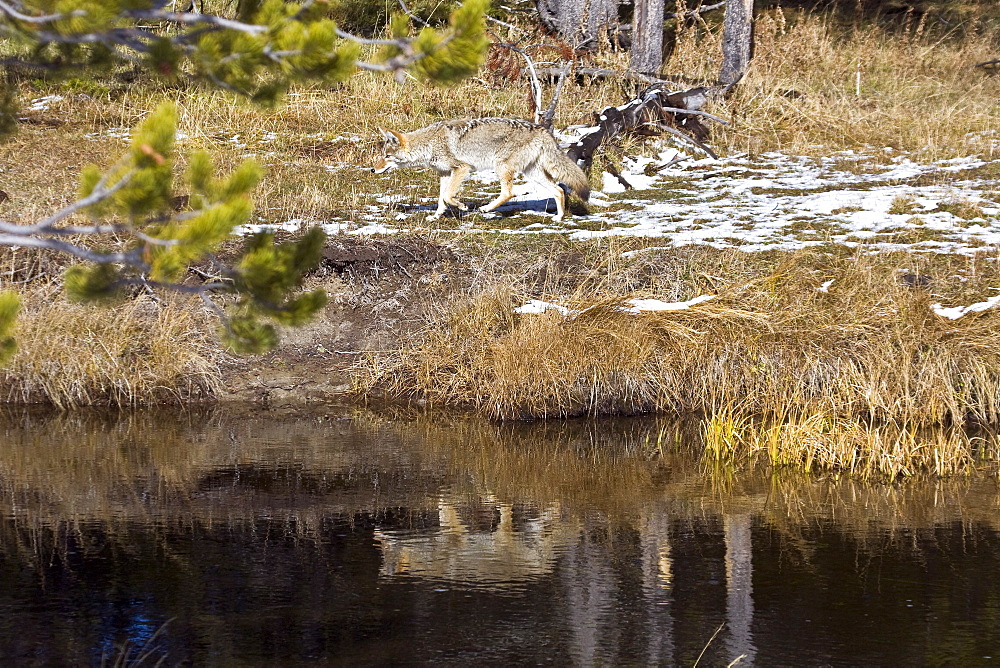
<point x="380" y="293"/>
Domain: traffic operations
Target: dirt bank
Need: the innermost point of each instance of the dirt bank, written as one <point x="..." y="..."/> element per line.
<point x="379" y="293"/>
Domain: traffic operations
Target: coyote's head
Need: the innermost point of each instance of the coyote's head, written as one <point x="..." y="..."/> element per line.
<point x="395" y="152"/>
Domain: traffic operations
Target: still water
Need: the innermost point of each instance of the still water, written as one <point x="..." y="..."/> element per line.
<point x="240" y="538"/>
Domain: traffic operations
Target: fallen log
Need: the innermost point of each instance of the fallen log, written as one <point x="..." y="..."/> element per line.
<point x="654" y="111"/>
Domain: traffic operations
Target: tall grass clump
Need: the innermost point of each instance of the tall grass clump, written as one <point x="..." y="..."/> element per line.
<point x="861" y="377"/>
<point x="139" y="352"/>
<point x="868" y="347"/>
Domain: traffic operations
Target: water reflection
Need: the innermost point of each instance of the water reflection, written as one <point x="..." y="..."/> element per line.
<point x="219" y="537"/>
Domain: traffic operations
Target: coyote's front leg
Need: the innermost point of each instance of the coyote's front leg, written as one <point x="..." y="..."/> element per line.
<point x="450" y="183"/>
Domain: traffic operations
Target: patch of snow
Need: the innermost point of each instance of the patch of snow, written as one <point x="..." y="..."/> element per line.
<point x="293" y="225"/>
<point x="611" y="184"/>
<point x="42" y="103"/>
<point x="753" y="203"/>
<point x="124" y="134"/>
<point x="537" y="307"/>
<point x="635" y="306"/>
<point x="956" y="312"/>
<point x="642" y="305"/>
<point x="374" y="228"/>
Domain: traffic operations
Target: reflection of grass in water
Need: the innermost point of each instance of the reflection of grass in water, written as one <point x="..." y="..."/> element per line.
<point x="64" y="472"/>
<point x="630" y="468"/>
<point x="614" y="465"/>
<point x="146" y="654"/>
<point x="828" y="444"/>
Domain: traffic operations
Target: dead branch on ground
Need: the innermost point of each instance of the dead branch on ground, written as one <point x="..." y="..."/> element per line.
<point x="655" y="110"/>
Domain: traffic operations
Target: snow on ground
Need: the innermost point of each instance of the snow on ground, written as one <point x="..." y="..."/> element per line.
<point x="42" y="103"/>
<point x="875" y="199"/>
<point x="633" y="306"/>
<point x="789" y="202"/>
<point x="878" y="199"/>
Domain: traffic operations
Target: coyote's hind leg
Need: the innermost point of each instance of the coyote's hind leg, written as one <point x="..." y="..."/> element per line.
<point x="551" y="186"/>
<point x="506" y="190"/>
<point x="550" y="183"/>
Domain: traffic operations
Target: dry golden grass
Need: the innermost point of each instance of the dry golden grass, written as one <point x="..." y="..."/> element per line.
<point x="816" y="86"/>
<point x="919" y="92"/>
<point x="770" y="344"/>
<point x="138" y="352"/>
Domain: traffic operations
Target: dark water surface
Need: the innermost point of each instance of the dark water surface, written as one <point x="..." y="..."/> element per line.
<point x="225" y="538"/>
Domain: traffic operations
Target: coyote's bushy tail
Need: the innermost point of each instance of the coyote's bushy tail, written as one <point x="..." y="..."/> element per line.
<point x="564" y="170"/>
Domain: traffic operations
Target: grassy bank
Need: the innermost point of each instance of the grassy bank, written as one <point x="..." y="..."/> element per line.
<point x="824" y="361"/>
<point x="846" y="334"/>
<point x="144" y="350"/>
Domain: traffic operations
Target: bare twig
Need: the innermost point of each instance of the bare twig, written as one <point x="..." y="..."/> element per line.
<point x="133" y="258"/>
<point x="202" y="289"/>
<point x="100" y="193"/>
<point x="694" y="12"/>
<point x="12" y="12"/>
<point x="696" y="112"/>
<point x="406" y="10"/>
<point x="503" y="23"/>
<point x="602" y="73"/>
<point x="705" y="648"/>
<point x="194" y="18"/>
<point x="549" y="114"/>
<point x="536" y="87"/>
<point x="688" y="138"/>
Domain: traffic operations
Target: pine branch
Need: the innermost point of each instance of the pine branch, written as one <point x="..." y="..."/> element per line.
<point x="126" y="42"/>
<point x="131" y="258"/>
<point x="47" y="226"/>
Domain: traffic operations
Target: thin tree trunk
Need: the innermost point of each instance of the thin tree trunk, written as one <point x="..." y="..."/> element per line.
<point x="580" y="22"/>
<point x="646" y="55"/>
<point x="737" y="40"/>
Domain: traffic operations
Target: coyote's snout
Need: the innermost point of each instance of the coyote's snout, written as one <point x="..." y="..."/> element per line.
<point x="455" y="149"/>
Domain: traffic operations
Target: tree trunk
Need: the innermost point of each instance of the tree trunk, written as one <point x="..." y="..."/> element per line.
<point x="579" y="22"/>
<point x="737" y="40"/>
<point x="646" y="54"/>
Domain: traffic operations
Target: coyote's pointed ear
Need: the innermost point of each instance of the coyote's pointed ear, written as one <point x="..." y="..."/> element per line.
<point x="392" y="135"/>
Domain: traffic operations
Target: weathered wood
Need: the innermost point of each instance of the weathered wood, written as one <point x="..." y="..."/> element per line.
<point x="579" y="22"/>
<point x="656" y="110"/>
<point x="694" y="12"/>
<point x="547" y="117"/>
<point x="646" y="54"/>
<point x="737" y="40"/>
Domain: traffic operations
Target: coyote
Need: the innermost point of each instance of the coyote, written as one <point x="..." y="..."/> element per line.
<point x="508" y="146"/>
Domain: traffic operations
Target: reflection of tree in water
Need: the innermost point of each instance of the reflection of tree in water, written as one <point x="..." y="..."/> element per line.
<point x="367" y="540"/>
